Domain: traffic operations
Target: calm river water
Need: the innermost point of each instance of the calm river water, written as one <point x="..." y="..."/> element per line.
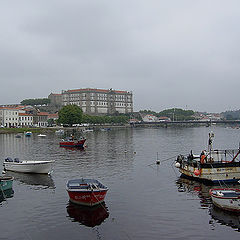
<point x="143" y="201"/>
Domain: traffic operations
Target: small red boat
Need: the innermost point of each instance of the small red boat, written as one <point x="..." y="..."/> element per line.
<point x="73" y="143"/>
<point x="88" y="192"/>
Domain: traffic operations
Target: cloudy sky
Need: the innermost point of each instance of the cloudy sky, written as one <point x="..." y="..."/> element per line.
<point x="176" y="53"/>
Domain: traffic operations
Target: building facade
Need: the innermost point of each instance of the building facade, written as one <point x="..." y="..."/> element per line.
<point x="55" y="99"/>
<point x="22" y="117"/>
<point x="99" y="101"/>
<point x="9" y="117"/>
<point x="25" y="120"/>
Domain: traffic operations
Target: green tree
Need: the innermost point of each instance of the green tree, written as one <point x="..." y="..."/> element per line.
<point x="36" y="101"/>
<point x="70" y="114"/>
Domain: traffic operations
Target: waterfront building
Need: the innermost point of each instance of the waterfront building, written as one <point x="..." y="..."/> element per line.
<point x="99" y="101"/>
<point x="9" y="116"/>
<point x="25" y="120"/>
<point x="23" y="117"/>
<point x="41" y="119"/>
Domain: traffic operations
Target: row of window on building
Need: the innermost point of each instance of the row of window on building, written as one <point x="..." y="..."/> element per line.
<point x="17" y="117"/>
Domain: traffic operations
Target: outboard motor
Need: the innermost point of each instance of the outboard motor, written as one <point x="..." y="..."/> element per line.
<point x="8" y="159"/>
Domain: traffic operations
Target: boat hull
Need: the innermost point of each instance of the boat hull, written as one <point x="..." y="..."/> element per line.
<point x="87" y="192"/>
<point x="79" y="144"/>
<point x="215" y="174"/>
<point x="227" y="203"/>
<point x="43" y="167"/>
<point x="87" y="198"/>
<point x="6" y="183"/>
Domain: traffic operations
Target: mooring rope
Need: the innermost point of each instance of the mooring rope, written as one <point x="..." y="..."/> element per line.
<point x="99" y="201"/>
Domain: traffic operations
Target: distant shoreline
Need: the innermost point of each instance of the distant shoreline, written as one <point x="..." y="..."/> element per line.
<point x="53" y="129"/>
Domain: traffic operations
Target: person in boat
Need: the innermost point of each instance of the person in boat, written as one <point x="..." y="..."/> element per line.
<point x="190" y="157"/>
<point x="203" y="157"/>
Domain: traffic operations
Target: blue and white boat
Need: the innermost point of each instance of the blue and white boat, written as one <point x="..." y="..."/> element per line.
<point x="28" y="134"/>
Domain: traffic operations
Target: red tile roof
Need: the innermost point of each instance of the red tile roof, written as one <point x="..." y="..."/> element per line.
<point x="95" y="90"/>
<point x="25" y="114"/>
<point x="43" y="114"/>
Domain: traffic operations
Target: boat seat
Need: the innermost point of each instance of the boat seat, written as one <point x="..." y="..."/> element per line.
<point x="17" y="160"/>
<point x="8" y="159"/>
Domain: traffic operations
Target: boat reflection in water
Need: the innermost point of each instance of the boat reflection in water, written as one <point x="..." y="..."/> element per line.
<point x="218" y="215"/>
<point x="38" y="180"/>
<point x="225" y="218"/>
<point x="195" y="188"/>
<point x="88" y="216"/>
<point x="6" y="194"/>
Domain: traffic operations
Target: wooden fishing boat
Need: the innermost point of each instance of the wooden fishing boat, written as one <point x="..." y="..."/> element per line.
<point x="88" y="192"/>
<point x="6" y="182"/>
<point x="211" y="165"/>
<point x="70" y="142"/>
<point x="24" y="166"/>
<point x="226" y="198"/>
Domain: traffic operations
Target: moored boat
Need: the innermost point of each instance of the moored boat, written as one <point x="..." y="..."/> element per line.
<point x="70" y="142"/>
<point x="28" y="134"/>
<point x="24" y="166"/>
<point x="211" y="165"/>
<point x="88" y="192"/>
<point x="42" y="135"/>
<point x="6" y="194"/>
<point x="59" y="131"/>
<point x="226" y="198"/>
<point x="6" y="182"/>
<point x="87" y="130"/>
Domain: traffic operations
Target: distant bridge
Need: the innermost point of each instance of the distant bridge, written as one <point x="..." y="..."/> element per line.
<point x="192" y="122"/>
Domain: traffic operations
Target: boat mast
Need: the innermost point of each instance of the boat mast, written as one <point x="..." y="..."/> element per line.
<point x="210" y="141"/>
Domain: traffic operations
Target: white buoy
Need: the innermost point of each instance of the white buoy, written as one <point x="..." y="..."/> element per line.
<point x="177" y="165"/>
<point x="3" y="172"/>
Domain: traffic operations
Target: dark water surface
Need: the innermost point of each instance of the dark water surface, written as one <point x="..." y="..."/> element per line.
<point x="143" y="201"/>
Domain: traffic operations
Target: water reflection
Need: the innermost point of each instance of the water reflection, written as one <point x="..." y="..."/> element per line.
<point x="6" y="194"/>
<point x="41" y="180"/>
<point x="196" y="188"/>
<point x="88" y="216"/>
<point x="73" y="148"/>
<point x="224" y="218"/>
<point x="218" y="215"/>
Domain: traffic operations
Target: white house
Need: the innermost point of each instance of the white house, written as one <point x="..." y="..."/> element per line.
<point x="25" y="120"/>
<point x="9" y="116"/>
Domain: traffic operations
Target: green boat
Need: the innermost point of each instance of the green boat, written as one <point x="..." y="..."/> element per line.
<point x="6" y="182"/>
<point x="6" y="194"/>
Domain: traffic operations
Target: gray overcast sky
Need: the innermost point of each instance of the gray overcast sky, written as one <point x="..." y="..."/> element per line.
<point x="176" y="53"/>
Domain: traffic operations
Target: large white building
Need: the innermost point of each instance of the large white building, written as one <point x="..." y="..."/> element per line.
<point x="99" y="101"/>
<point x="16" y="117"/>
<point x="9" y="116"/>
